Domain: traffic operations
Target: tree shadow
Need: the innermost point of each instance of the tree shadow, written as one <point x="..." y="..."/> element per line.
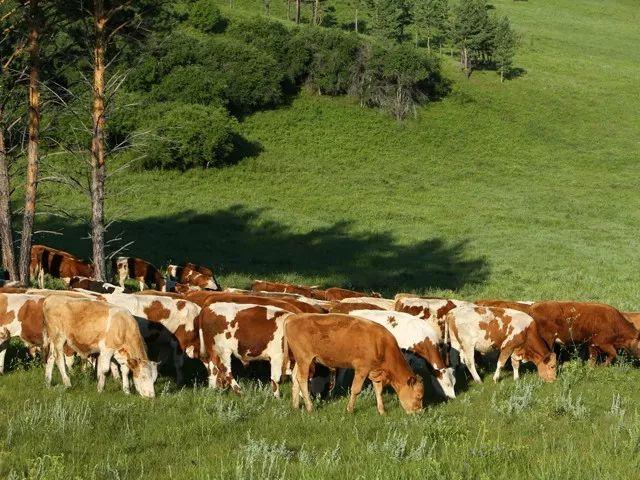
<point x="244" y="241"/>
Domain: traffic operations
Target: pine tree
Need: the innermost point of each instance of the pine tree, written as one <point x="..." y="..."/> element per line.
<point x="505" y="41"/>
<point x="472" y="31"/>
<point x="389" y="18"/>
<point x="430" y="17"/>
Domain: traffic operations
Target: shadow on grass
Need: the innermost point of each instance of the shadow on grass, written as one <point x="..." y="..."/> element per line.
<point x="239" y="240"/>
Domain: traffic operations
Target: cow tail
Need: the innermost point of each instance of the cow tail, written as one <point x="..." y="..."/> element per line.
<point x="286" y="356"/>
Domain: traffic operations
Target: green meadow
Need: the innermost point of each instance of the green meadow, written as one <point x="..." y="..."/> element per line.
<point x="522" y="190"/>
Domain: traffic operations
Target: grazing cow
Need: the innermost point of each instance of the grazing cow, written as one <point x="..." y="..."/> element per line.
<point x="204" y="297"/>
<point x="277" y="287"/>
<point x="384" y="303"/>
<point x="247" y="332"/>
<point x="192" y="274"/>
<point x="58" y="264"/>
<point x="433" y="310"/>
<point x="171" y="324"/>
<point x="344" y="341"/>
<point x="306" y="304"/>
<point x="94" y="286"/>
<point x="344" y="307"/>
<point x="93" y="327"/>
<point x="417" y="336"/>
<point x="511" y="332"/>
<point x="140" y="270"/>
<point x="20" y="316"/>
<point x="633" y="317"/>
<point x="337" y="294"/>
<point x="603" y="328"/>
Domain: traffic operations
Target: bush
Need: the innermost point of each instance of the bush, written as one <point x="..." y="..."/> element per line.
<point x="333" y="55"/>
<point x="251" y="77"/>
<point x="206" y="17"/>
<point x="282" y="44"/>
<point x="396" y="78"/>
<point x="191" y="84"/>
<point x="189" y="135"/>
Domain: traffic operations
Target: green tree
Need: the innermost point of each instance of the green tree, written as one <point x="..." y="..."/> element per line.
<point x="430" y="19"/>
<point x="389" y="18"/>
<point x="504" y="42"/>
<point x="472" y="30"/>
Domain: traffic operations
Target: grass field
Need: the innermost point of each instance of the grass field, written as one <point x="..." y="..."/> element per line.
<point x="523" y="190"/>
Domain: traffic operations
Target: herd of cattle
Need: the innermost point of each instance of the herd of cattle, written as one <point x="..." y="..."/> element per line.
<point x="295" y="328"/>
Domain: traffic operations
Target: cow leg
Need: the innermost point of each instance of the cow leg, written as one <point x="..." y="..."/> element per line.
<point x="610" y="353"/>
<point x="470" y="362"/>
<point x="104" y="365"/>
<point x="356" y="387"/>
<point x="593" y="355"/>
<point x="378" y="387"/>
<point x="41" y="278"/>
<point x="48" y="370"/>
<point x="295" y="388"/>
<point x="3" y="352"/>
<point x="276" y="376"/>
<point x="505" y="353"/>
<point x="303" y="384"/>
<point x="62" y="365"/>
<point x="515" y="365"/>
<point x="225" y="358"/>
<point x="122" y="276"/>
<point x="178" y="363"/>
<point x="141" y="283"/>
<point x="115" y="372"/>
<point x="124" y="370"/>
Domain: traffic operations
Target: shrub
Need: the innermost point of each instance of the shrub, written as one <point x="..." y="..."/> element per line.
<point x="251" y="77"/>
<point x="395" y="78"/>
<point x="206" y="17"/>
<point x="191" y="84"/>
<point x="189" y="135"/>
<point x="282" y="44"/>
<point x="333" y="55"/>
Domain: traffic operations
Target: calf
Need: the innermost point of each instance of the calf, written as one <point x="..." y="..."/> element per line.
<point x="94" y="286"/>
<point x="417" y="336"/>
<point x="192" y="274"/>
<point x="344" y="341"/>
<point x="93" y="327"/>
<point x="603" y="328"/>
<point x="140" y="270"/>
<point x="511" y="332"/>
<point x="58" y="264"/>
<point x="247" y="332"/>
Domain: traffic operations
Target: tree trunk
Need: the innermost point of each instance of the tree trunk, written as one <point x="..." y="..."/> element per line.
<point x="33" y="143"/>
<point x="298" y="11"/>
<point x="288" y="9"/>
<point x="97" y="142"/>
<point x="429" y="43"/>
<point x="356" y="25"/>
<point x="316" y="13"/>
<point x="6" y="231"/>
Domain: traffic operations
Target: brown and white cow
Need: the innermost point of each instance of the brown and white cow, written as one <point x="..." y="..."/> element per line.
<point x="141" y="270"/>
<point x="523" y="306"/>
<point x="20" y="316"/>
<point x="179" y="319"/>
<point x="344" y="341"/>
<point x="337" y="294"/>
<point x="511" y="332"/>
<point x="384" y="303"/>
<point x="192" y="274"/>
<point x="415" y="335"/>
<point x="91" y="327"/>
<point x="279" y="287"/>
<point x="85" y="283"/>
<point x="204" y="297"/>
<point x="247" y="332"/>
<point x="346" y="307"/>
<point x="306" y="304"/>
<point x="601" y="327"/>
<point x="58" y="264"/>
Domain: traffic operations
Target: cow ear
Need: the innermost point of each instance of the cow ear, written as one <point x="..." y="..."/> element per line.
<point x="133" y="363"/>
<point x="412" y="381"/>
<point x="550" y="358"/>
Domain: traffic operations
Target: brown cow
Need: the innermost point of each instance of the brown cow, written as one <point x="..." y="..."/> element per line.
<point x="58" y="264"/>
<point x="247" y="332"/>
<point x="343" y="341"/>
<point x="513" y="305"/>
<point x="311" y="292"/>
<point x="603" y="328"/>
<point x="140" y="270"/>
<point x="345" y="307"/>
<point x="192" y="274"/>
<point x="94" y="327"/>
<point x="20" y="316"/>
<point x="511" y="332"/>
<point x="306" y="304"/>
<point x="204" y="297"/>
<point x="336" y="294"/>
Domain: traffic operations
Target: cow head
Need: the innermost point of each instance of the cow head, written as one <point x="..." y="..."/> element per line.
<point x="212" y="284"/>
<point x="547" y="367"/>
<point x="411" y="394"/>
<point x="447" y="381"/>
<point x="145" y="373"/>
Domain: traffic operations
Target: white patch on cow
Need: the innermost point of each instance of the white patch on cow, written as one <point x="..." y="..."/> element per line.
<point x="407" y="329"/>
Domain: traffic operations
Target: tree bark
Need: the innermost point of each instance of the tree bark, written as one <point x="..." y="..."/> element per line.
<point x="33" y="143"/>
<point x="356" y="25"/>
<point x="98" y="169"/>
<point x="316" y="12"/>
<point x="298" y="11"/>
<point x="6" y="231"/>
